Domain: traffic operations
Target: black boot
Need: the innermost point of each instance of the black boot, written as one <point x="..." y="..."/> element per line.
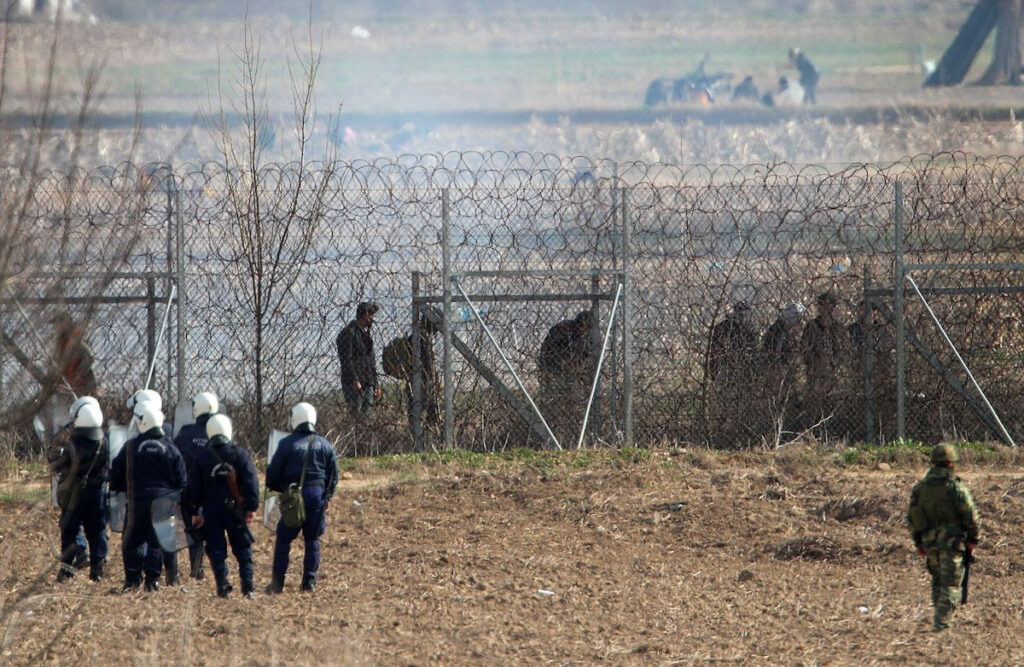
<point x="308" y="584"/>
<point x="152" y="585"/>
<point x="247" y="589"/>
<point x="65" y="572"/>
<point x="96" y="568"/>
<point x="81" y="558"/>
<point x="171" y="566"/>
<point x="130" y="586"/>
<point x="196" y="559"/>
<point x="224" y="589"/>
<point x="275" y="586"/>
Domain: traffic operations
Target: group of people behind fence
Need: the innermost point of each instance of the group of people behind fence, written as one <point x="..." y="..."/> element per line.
<point x="802" y="372"/>
<point x="200" y="479"/>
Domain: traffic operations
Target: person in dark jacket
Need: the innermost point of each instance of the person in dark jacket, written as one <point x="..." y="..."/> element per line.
<point x="302" y="450"/>
<point x="358" y="366"/>
<point x="169" y="558"/>
<point x="82" y="470"/>
<point x="221" y="470"/>
<point x="732" y="350"/>
<point x="809" y="74"/>
<point x="73" y="357"/>
<point x="191" y="441"/>
<point x="147" y="468"/>
<point x="431" y="413"/>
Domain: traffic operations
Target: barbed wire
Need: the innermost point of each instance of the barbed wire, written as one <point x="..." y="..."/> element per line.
<point x="703" y="238"/>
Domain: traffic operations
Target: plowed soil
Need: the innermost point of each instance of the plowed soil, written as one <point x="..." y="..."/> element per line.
<point x="676" y="557"/>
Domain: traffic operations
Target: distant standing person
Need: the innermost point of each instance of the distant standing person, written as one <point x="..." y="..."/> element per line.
<point x="809" y="74"/>
<point x="358" y="366"/>
<point x="733" y="345"/>
<point x="564" y="365"/>
<point x="305" y="460"/>
<point x="781" y="347"/>
<point x="431" y="414"/>
<point x="944" y="525"/>
<point x="74" y="359"/>
<point x="823" y="345"/>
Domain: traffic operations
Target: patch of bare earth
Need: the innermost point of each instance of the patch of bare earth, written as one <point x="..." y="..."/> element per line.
<point x="676" y="560"/>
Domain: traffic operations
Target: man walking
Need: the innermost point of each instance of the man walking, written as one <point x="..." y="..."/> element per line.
<point x="944" y="525"/>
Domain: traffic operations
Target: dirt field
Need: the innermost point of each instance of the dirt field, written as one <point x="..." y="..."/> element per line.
<point x="672" y="558"/>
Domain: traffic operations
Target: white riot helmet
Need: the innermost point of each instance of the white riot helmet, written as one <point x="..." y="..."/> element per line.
<point x="145" y="396"/>
<point x="205" y="403"/>
<point x="218" y="425"/>
<point x="148" y="416"/>
<point x="77" y="405"/>
<point x="302" y="413"/>
<point x="88" y="415"/>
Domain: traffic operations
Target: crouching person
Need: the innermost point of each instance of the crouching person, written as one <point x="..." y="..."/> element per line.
<point x="305" y="461"/>
<point x="224" y="487"/>
<point x="83" y="470"/>
<point x="147" y="467"/>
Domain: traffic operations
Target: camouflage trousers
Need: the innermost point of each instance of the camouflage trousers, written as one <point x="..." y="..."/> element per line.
<point x="947" y="570"/>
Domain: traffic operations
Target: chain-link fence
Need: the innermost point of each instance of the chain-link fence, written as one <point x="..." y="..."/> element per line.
<point x="263" y="285"/>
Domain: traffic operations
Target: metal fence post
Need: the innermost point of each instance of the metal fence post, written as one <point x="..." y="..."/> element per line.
<point x="901" y="430"/>
<point x="150" y="321"/>
<point x="596" y="342"/>
<point x="182" y="301"/>
<point x="868" y="356"/>
<point x="416" y="402"/>
<point x="627" y="322"/>
<point x="446" y="292"/>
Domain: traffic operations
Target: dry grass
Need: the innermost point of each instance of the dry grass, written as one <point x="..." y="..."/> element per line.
<point x="651" y="562"/>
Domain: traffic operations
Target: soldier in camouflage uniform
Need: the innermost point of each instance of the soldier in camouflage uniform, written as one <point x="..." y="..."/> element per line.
<point x="944" y="524"/>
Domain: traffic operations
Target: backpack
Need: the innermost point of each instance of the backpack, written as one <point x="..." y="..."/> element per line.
<point x="396" y="358"/>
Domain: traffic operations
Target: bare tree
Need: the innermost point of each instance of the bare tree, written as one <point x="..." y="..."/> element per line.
<point x="57" y="253"/>
<point x="275" y="211"/>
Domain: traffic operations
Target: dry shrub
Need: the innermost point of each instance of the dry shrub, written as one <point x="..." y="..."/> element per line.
<point x="850" y="508"/>
<point x="809" y="548"/>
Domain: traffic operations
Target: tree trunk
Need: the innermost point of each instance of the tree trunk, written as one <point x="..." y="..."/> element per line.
<point x="1006" y="56"/>
<point x="957" y="59"/>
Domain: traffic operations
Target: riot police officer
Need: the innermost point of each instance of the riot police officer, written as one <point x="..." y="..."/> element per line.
<point x="191" y="441"/>
<point x="223" y="485"/>
<point x="83" y="471"/>
<point x="303" y="456"/>
<point x="147" y="468"/>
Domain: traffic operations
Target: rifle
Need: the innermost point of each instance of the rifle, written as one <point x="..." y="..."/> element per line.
<point x="968" y="559"/>
<point x="235" y="503"/>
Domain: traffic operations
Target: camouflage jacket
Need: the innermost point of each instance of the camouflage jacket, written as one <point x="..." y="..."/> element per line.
<point x="942" y="513"/>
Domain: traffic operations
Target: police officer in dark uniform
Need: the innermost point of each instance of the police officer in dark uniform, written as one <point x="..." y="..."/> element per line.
<point x="190" y="441"/>
<point x="147" y="467"/>
<point x="169" y="558"/>
<point x="223" y="485"/>
<point x="319" y="484"/>
<point x="82" y="471"/>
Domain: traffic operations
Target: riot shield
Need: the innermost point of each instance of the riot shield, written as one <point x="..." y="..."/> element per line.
<point x="117" y="503"/>
<point x="182" y="416"/>
<point x="48" y="424"/>
<point x="271" y="510"/>
<point x="168" y="523"/>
